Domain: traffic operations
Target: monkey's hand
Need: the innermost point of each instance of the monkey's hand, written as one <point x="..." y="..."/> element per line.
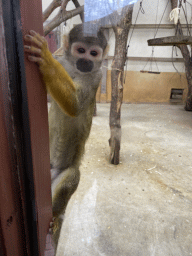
<point x="57" y="81"/>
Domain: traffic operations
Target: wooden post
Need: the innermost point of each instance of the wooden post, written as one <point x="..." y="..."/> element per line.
<point x="121" y="31"/>
<point x="25" y="183"/>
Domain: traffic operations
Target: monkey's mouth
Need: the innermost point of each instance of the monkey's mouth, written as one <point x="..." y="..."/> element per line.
<point x="84" y="65"/>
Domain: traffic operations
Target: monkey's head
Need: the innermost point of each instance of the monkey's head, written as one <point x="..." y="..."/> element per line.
<point x="85" y="53"/>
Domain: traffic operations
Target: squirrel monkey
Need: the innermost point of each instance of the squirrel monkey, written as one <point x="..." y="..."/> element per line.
<point x="72" y="82"/>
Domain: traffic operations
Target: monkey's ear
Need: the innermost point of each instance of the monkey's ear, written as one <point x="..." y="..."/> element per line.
<point x="105" y="51"/>
<point x="65" y="42"/>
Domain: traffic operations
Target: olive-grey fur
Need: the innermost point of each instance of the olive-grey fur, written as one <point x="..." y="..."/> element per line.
<point x="69" y="134"/>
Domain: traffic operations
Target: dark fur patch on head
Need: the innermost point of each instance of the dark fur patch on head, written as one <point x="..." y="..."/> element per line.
<point x="77" y="34"/>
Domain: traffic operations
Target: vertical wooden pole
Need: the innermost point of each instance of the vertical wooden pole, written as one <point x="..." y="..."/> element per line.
<point x="121" y="31"/>
<point x="12" y="230"/>
<point x="25" y="183"/>
<point x="31" y="18"/>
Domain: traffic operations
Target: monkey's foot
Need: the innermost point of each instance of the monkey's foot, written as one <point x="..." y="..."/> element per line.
<point x="57" y="229"/>
<point x="50" y="246"/>
<point x="51" y="226"/>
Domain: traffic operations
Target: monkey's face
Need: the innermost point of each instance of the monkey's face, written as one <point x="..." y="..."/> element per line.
<point x="86" y="58"/>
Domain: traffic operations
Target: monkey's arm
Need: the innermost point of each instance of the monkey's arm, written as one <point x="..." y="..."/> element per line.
<point x="57" y="81"/>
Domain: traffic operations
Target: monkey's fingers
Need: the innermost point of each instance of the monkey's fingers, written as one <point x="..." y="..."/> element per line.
<point x="51" y="226"/>
<point x="39" y="40"/>
<point x="38" y="37"/>
<point x="35" y="59"/>
<point x="32" y="49"/>
<point x="34" y="40"/>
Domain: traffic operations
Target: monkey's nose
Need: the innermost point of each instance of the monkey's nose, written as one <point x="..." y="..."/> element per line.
<point x="84" y="65"/>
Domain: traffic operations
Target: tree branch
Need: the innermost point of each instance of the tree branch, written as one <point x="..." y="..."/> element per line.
<point x="51" y="8"/>
<point x="64" y="5"/>
<point x="62" y="16"/>
<point x="76" y="3"/>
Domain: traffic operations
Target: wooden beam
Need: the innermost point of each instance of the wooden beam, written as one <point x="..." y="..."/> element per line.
<point x="170" y="40"/>
<point x="161" y="26"/>
<point x="154" y="26"/>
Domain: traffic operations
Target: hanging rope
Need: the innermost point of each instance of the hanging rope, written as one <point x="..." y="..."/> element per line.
<point x="156" y="16"/>
<point x="143" y="12"/>
<point x="126" y="62"/>
<point x="175" y="48"/>
<point x="185" y="14"/>
<point x="153" y="48"/>
<point x="152" y="54"/>
<point x="152" y="57"/>
<point x="161" y="18"/>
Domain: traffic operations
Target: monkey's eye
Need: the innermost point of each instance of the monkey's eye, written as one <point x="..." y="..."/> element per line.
<point x="81" y="50"/>
<point x="93" y="53"/>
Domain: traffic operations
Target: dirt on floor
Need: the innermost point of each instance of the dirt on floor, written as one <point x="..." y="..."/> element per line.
<point x="143" y="206"/>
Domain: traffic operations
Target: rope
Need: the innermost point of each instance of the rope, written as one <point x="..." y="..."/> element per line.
<point x="161" y="18"/>
<point x="156" y="15"/>
<point x="126" y="62"/>
<point x="185" y="14"/>
<point x="188" y="3"/>
<point x="153" y="48"/>
<point x="174" y="47"/>
<point x="150" y="59"/>
<point x="143" y="12"/>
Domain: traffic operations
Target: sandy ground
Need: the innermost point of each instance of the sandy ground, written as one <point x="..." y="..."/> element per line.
<point x="142" y="206"/>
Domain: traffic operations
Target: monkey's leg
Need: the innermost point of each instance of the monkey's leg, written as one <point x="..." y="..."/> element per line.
<point x="67" y="185"/>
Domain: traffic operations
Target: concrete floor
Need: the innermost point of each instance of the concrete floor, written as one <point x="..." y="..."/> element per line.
<point x="144" y="205"/>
